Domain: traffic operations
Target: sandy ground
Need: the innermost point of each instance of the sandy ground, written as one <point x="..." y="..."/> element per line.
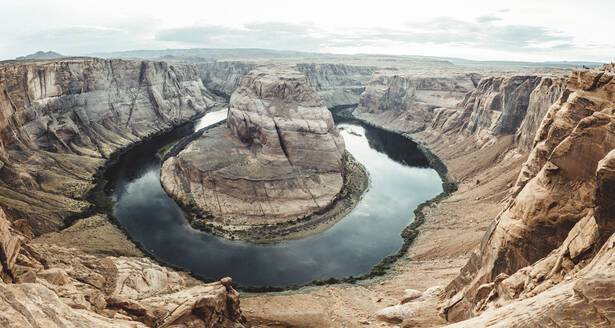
<point x="453" y="229"/>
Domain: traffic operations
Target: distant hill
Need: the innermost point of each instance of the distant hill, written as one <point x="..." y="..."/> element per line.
<point x="504" y="63"/>
<point x="206" y="53"/>
<point x="41" y="55"/>
<point x="212" y="54"/>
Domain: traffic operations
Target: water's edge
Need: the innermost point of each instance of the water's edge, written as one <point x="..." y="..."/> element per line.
<point x="101" y="203"/>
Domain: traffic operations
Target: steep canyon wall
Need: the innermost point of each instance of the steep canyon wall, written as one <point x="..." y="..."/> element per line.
<point x="59" y="120"/>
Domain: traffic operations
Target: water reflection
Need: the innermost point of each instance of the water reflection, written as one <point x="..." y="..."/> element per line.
<point x="351" y="247"/>
<point x="210" y="118"/>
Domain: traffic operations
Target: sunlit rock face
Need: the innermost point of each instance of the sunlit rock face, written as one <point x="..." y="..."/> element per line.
<point x="279" y="157"/>
<point x="549" y="252"/>
<point x="408" y="101"/>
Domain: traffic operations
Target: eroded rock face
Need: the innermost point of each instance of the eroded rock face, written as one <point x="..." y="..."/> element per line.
<point x="51" y="286"/>
<point x="512" y="105"/>
<point x="60" y="119"/>
<point x="10" y="244"/>
<point x="279" y="157"/>
<point x="551" y="242"/>
<point x="407" y="102"/>
<point x="542" y="97"/>
<point x="573" y="285"/>
<point x="223" y="77"/>
<point x="336" y="84"/>
<point x="88" y="106"/>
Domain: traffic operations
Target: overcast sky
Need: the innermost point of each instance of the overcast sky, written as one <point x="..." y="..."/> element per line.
<point x="535" y="30"/>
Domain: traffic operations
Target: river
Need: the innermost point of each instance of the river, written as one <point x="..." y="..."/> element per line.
<point x="399" y="181"/>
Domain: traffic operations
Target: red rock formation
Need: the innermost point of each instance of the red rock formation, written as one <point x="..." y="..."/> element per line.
<point x="550" y="243"/>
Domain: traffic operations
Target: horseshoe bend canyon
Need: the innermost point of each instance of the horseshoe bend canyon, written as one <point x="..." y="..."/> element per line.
<point x="218" y="187"/>
<point x="279" y="157"/>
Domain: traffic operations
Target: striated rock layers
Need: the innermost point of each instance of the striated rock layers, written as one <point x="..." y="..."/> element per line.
<point x="408" y="102"/>
<point x="223" y="77"/>
<point x="336" y="84"/>
<point x="60" y="119"/>
<point x="509" y="105"/>
<point x="279" y="157"/>
<point x="50" y="286"/>
<point x="460" y="105"/>
<point x="547" y="258"/>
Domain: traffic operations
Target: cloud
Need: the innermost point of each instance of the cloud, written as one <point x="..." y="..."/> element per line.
<point x="272" y="35"/>
<point x="82" y="39"/>
<point x="487" y="19"/>
<point x="482" y="32"/>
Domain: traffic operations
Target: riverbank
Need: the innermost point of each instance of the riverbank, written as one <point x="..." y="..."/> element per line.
<point x="94" y="229"/>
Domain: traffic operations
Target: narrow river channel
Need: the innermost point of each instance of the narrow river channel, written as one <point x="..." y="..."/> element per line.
<point x="399" y="181"/>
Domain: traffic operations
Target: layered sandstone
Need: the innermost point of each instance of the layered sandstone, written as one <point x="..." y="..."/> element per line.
<point x="460" y="104"/>
<point x="223" y="77"/>
<point x="408" y="101"/>
<point x="499" y="106"/>
<point x="547" y="252"/>
<point x="51" y="286"/>
<point x="337" y="84"/>
<point x="60" y="119"/>
<point x="278" y="158"/>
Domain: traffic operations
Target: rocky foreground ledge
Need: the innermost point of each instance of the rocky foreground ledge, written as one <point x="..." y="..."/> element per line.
<point x="50" y="286"/>
<point x="279" y="158"/>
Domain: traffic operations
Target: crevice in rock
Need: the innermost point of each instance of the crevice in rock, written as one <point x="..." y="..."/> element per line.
<point x="282" y="144"/>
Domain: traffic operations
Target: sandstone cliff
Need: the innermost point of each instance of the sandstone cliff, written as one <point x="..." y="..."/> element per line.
<point x="336" y="84"/>
<point x="459" y="105"/>
<point x="510" y="105"/>
<point x="60" y="119"/>
<point x="545" y="259"/>
<point x="408" y="102"/>
<point x="279" y="157"/>
<point x="223" y="77"/>
<point x="50" y="286"/>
